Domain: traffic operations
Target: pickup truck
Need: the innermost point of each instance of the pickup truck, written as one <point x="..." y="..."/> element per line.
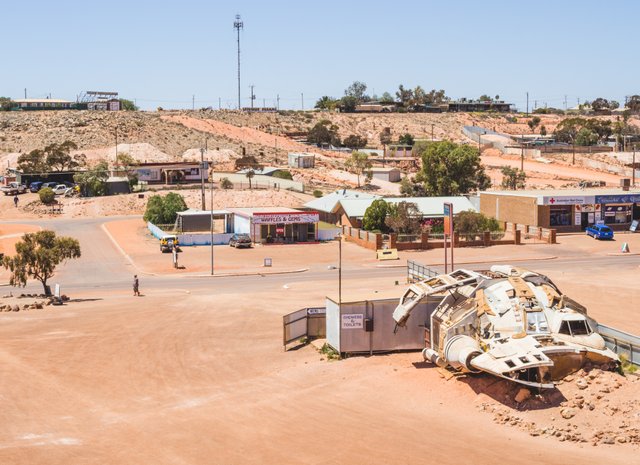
<point x="13" y="188"/>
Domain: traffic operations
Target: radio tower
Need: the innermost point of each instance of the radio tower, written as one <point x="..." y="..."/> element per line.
<point x="238" y="24"/>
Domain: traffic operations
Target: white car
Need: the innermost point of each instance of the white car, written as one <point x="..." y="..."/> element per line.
<point x="60" y="189"/>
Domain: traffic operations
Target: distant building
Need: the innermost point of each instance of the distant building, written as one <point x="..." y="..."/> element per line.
<point x="44" y="104"/>
<point x="465" y="105"/>
<point x="302" y="160"/>
<point x="386" y="174"/>
<point x="170" y="173"/>
<point x="100" y="100"/>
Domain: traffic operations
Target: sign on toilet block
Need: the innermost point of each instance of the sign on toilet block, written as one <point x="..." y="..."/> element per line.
<point x="352" y="321"/>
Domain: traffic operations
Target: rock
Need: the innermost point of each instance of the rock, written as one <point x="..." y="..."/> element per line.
<point x="38" y="305"/>
<point x="522" y="395"/>
<point x="582" y="384"/>
<point x="568" y="413"/>
<point x="15" y="308"/>
<point x="608" y="440"/>
<point x="621" y="439"/>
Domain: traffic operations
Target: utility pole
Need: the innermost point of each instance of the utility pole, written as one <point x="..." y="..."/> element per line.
<point x="432" y="125"/>
<point x="212" y="225"/>
<point x="633" y="167"/>
<point x="340" y="268"/>
<point x="565" y="102"/>
<point x="25" y="93"/>
<point x="116" y="130"/>
<point x="238" y="24"/>
<point x="253" y="96"/>
<point x="193" y="102"/>
<point x="527" y="103"/>
<point x="263" y="104"/>
<point x="202" y="175"/>
<point x="219" y="103"/>
<point x="302" y="97"/>
<point x="278" y="102"/>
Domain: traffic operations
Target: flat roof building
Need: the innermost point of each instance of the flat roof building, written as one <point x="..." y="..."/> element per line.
<point x="276" y="224"/>
<point x="301" y="160"/>
<point x="564" y="210"/>
<point x="44" y="104"/>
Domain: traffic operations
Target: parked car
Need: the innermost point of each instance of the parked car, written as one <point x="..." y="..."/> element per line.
<point x="50" y="185"/>
<point x="35" y="186"/>
<point x="168" y="243"/>
<point x="240" y="240"/>
<point x="599" y="231"/>
<point x="14" y="188"/>
<point x="60" y="189"/>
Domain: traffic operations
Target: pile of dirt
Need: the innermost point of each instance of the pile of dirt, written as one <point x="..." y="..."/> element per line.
<point x="591" y="406"/>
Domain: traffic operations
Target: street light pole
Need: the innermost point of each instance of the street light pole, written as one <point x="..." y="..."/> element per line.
<point x="211" y="184"/>
<point x="340" y="270"/>
<point x="202" y="176"/>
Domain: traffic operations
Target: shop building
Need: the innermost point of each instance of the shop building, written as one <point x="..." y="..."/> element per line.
<point x="563" y="210"/>
<point x="276" y="225"/>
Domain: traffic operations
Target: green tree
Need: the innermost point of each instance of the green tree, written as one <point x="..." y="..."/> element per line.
<point x="249" y="175"/>
<point x="404" y="96"/>
<point x="324" y="132"/>
<point x="409" y="187"/>
<point x="513" y="178"/>
<point x="6" y="104"/>
<point x="633" y="103"/>
<point x="585" y="137"/>
<point x="375" y="216"/>
<point x="406" y="139"/>
<point x="355" y="142"/>
<point x="451" y="169"/>
<point x="471" y="222"/>
<point x="357" y="90"/>
<point x="33" y="162"/>
<point x="360" y="165"/>
<point x="404" y="218"/>
<point x="59" y="156"/>
<point x="46" y="195"/>
<point x="348" y="104"/>
<point x="283" y="174"/>
<point x="386" y="98"/>
<point x="128" y="105"/>
<point x="533" y="123"/>
<point x="225" y="183"/>
<point x="567" y="130"/>
<point x="543" y="130"/>
<point x="93" y="182"/>
<point x="164" y="209"/>
<point x="385" y="136"/>
<point x="326" y="103"/>
<point x="37" y="256"/>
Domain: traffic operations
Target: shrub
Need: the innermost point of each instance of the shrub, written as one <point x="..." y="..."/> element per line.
<point x="284" y="174"/>
<point x="46" y="195"/>
<point x="164" y="210"/>
<point x="225" y="183"/>
<point x="317" y="193"/>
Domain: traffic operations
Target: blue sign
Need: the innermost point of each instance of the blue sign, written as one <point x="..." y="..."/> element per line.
<point x="623" y="198"/>
<point x="447" y="210"/>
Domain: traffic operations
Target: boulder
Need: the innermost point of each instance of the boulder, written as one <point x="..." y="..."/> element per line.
<point x="568" y="413"/>
<point x="522" y="395"/>
<point x="582" y="384"/>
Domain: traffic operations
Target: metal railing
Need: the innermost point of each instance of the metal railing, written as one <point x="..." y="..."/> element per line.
<point x="621" y="343"/>
<point x="418" y="272"/>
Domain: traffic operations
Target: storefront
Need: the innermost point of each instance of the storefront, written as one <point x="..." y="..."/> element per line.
<point x="563" y="210"/>
<point x="274" y="225"/>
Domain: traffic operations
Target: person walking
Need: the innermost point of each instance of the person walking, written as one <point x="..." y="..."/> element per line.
<point x="136" y="286"/>
<point x="15" y="200"/>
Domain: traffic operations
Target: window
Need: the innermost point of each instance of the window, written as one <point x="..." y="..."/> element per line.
<point x="575" y="328"/>
<point x="560" y="216"/>
<point x="537" y="323"/>
<point x="617" y="214"/>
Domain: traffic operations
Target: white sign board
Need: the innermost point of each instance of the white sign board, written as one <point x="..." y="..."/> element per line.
<point x="577" y="218"/>
<point x="56" y="292"/>
<point x="634" y="226"/>
<point x="352" y="321"/>
<point x="569" y="200"/>
<point x="285" y="218"/>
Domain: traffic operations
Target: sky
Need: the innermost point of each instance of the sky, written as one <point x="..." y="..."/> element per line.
<point x="173" y="54"/>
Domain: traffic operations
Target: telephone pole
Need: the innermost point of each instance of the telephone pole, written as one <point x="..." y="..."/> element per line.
<point x="302" y="98"/>
<point x="238" y="24"/>
<point x="527" y="103"/>
<point x="253" y="96"/>
<point x="278" y="102"/>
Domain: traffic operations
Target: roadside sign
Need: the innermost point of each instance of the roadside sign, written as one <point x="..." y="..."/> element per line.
<point x="267" y="262"/>
<point x="56" y="292"/>
<point x="448" y="217"/>
<point x="634" y="226"/>
<point x="352" y="321"/>
<point x="316" y="311"/>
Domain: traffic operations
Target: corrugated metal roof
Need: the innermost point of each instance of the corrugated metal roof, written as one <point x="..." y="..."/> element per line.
<point x="563" y="192"/>
<point x="330" y="202"/>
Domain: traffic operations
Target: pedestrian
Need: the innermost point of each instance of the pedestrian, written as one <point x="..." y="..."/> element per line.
<point x="136" y="286"/>
<point x="15" y="200"/>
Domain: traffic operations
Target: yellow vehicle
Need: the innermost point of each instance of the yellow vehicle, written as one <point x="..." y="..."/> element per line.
<point x="168" y="243"/>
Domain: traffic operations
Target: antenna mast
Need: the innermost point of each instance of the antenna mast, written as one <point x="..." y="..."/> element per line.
<point x="238" y="24"/>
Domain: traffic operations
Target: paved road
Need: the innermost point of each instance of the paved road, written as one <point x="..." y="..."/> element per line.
<point x="103" y="267"/>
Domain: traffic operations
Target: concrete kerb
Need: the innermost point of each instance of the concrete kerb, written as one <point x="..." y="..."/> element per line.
<point x="121" y="250"/>
<point x="476" y="262"/>
<point x="248" y="273"/>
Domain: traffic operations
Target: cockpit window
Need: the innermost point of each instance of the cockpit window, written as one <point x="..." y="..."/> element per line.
<point x="575" y="328"/>
<point x="409" y="297"/>
<point x="579" y="328"/>
<point x="537" y="323"/>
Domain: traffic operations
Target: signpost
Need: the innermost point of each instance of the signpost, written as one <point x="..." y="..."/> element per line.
<point x="634" y="226"/>
<point x="448" y="232"/>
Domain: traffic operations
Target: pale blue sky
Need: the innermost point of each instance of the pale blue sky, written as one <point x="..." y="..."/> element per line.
<point x="163" y="52"/>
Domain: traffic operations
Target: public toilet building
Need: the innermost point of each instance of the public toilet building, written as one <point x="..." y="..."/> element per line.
<point x="280" y="225"/>
<point x="563" y="210"/>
